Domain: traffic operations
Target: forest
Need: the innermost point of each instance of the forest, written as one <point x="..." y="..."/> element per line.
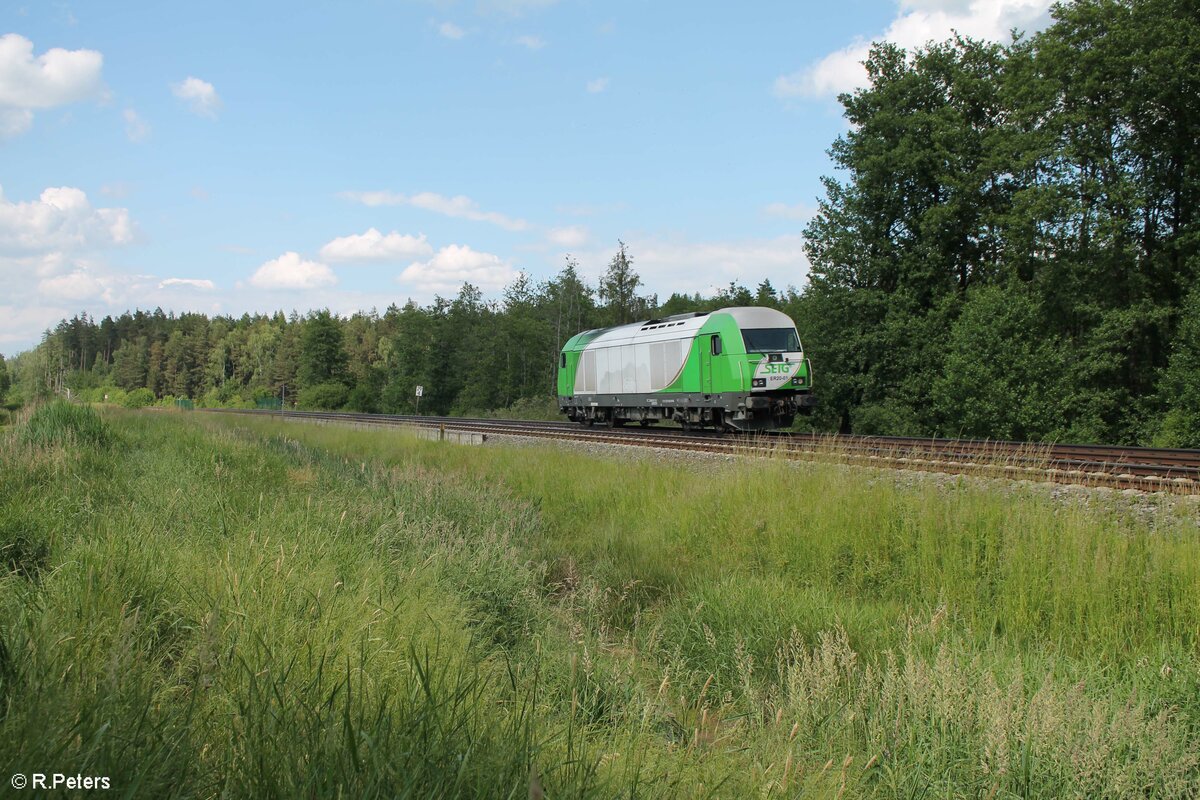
<point x="1008" y="247"/>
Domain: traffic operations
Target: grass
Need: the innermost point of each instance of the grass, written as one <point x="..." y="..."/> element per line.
<point x="200" y="606"/>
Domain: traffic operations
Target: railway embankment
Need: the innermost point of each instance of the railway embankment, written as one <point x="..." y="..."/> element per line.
<point x="264" y="607"/>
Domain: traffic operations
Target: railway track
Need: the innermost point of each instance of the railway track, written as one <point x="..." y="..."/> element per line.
<point x="1140" y="468"/>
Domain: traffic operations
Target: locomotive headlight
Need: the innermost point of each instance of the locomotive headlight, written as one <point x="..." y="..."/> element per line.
<point x="758" y="383"/>
<point x="797" y="381"/>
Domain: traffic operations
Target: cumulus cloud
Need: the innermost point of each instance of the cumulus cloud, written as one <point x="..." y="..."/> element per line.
<point x="568" y="236"/>
<point x="61" y="219"/>
<point x="290" y="271"/>
<point x="457" y="206"/>
<point x="451" y="31"/>
<point x="918" y="22"/>
<point x="531" y="42"/>
<point x="136" y="128"/>
<point x="598" y="85"/>
<point x="201" y="96"/>
<point x="375" y="246"/>
<point x="455" y="265"/>
<point x="56" y="77"/>
<point x="194" y="283"/>
<point x="77" y="285"/>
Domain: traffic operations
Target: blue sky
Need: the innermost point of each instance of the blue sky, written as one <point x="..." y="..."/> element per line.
<point x="229" y="157"/>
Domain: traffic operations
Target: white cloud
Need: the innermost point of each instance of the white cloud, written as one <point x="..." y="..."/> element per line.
<point x="568" y="236"/>
<point x="195" y="283"/>
<point x="290" y="271"/>
<point x="375" y="199"/>
<point x="77" y="285"/>
<point x="598" y="85"/>
<point x="21" y="325"/>
<point x="455" y="265"/>
<point x="375" y="246"/>
<point x="800" y="211"/>
<point x="917" y="23"/>
<point x="457" y="206"/>
<point x="531" y="42"/>
<point x="61" y="219"/>
<point x="136" y="128"/>
<point x="200" y="96"/>
<point x="451" y="31"/>
<point x="54" y="78"/>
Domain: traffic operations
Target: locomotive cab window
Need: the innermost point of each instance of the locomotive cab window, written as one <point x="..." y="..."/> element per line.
<point x="771" y="340"/>
<point x="563" y="360"/>
<point x="716" y="345"/>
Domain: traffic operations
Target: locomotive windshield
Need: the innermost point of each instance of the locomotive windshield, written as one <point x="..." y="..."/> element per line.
<point x="771" y="340"/>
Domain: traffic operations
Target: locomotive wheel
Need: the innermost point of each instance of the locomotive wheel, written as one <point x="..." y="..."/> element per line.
<point x="645" y="423"/>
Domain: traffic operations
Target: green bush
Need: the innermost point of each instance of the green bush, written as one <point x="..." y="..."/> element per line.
<point x="101" y="394"/>
<point x="62" y="423"/>
<point x="364" y="400"/>
<point x="138" y="398"/>
<point x="324" y="396"/>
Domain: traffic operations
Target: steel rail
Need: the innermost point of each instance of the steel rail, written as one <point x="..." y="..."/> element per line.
<point x="1141" y="468"/>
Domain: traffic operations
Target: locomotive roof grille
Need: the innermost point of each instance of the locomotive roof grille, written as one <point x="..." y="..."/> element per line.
<point x="671" y="321"/>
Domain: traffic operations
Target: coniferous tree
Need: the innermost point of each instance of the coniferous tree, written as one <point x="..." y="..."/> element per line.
<point x="322" y="357"/>
<point x="618" y="291"/>
<point x="1007" y="250"/>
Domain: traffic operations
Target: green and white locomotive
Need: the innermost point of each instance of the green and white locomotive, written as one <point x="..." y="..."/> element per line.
<point x="732" y="369"/>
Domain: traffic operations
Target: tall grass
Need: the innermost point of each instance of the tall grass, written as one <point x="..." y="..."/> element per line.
<point x="224" y="619"/>
<point x="252" y="608"/>
<point x="63" y="423"/>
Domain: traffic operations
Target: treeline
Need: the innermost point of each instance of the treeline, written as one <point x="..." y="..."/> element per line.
<point x="470" y="355"/>
<point x="1013" y="247"/>
<point x="1010" y="250"/>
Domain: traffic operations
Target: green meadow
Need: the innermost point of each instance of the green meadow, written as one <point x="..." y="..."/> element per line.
<point x="207" y="606"/>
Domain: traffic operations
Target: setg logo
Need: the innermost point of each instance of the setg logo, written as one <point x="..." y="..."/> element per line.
<point x="770" y="374"/>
